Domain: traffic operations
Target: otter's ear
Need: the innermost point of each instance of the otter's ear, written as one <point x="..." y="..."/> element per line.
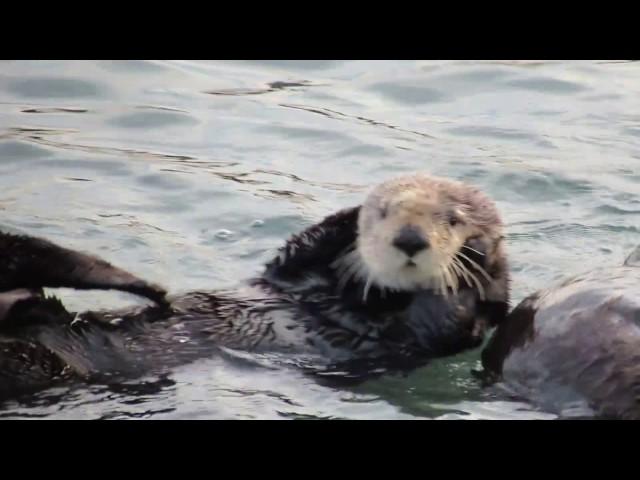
<point x="316" y="247"/>
<point x="33" y="263"/>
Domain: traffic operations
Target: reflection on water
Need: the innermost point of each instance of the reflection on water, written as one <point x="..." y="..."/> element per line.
<point x="192" y="173"/>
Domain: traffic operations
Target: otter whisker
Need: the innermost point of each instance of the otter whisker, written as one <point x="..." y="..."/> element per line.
<point x="345" y="260"/>
<point x="342" y="282"/>
<point x="455" y="284"/>
<point x="456" y="272"/>
<point x="456" y="268"/>
<point x="477" y="267"/>
<point x="451" y="279"/>
<point x="452" y="266"/>
<point x="442" y="282"/>
<point x="345" y="253"/>
<point x="468" y="273"/>
<point x="475" y="279"/>
<point x="447" y="276"/>
<point x="351" y="271"/>
<point x="462" y="270"/>
<point x="348" y="266"/>
<point x="473" y="250"/>
<point x="478" y="286"/>
<point x="367" y="286"/>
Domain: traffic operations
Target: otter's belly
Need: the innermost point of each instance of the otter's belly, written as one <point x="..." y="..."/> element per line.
<point x="260" y="319"/>
<point x="576" y="350"/>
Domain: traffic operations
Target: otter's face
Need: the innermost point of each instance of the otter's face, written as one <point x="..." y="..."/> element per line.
<point x="410" y="232"/>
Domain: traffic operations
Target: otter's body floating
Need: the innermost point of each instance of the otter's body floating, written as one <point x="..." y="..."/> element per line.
<point x="575" y="349"/>
<point x="417" y="272"/>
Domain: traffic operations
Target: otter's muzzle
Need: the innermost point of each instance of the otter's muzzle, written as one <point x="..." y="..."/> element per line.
<point x="410" y="240"/>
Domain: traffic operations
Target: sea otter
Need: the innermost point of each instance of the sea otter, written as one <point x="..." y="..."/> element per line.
<point x="416" y="272"/>
<point x="574" y="349"/>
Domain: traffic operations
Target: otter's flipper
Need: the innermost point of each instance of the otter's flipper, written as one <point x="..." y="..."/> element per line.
<point x="40" y="339"/>
<point x="33" y="263"/>
<point x="9" y="299"/>
<point x="316" y="247"/>
<point x="633" y="260"/>
<point x="22" y="308"/>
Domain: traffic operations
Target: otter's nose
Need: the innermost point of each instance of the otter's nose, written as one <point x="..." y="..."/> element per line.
<point x="410" y="240"/>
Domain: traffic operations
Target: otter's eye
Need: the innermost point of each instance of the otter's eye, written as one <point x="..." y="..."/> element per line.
<point x="453" y="219"/>
<point x="383" y="211"/>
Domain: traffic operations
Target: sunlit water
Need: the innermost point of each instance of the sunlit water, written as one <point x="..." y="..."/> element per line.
<point x="191" y="174"/>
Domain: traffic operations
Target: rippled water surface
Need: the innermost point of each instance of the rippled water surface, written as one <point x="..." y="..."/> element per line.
<point x="191" y="174"/>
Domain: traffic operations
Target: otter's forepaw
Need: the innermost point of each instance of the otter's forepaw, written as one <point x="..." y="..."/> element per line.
<point x="475" y="341"/>
<point x="475" y="331"/>
<point x="485" y="377"/>
<point x="480" y="327"/>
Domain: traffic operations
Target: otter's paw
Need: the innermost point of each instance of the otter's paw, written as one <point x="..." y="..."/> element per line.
<point x="485" y="377"/>
<point x="479" y="329"/>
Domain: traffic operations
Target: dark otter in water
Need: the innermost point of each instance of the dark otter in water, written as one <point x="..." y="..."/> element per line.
<point x="418" y="271"/>
<point x="574" y="349"/>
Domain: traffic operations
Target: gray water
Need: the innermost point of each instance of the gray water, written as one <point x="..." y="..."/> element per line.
<point x="191" y="174"/>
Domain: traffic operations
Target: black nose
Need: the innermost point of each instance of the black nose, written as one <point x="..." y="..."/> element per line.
<point x="410" y="240"/>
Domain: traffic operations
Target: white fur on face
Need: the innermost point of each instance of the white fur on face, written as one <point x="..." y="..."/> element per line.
<point x="391" y="268"/>
<point x="423" y="203"/>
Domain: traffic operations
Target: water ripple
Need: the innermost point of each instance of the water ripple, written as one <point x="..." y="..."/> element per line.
<point x="193" y="173"/>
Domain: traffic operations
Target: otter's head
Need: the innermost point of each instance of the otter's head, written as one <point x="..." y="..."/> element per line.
<point x="412" y="232"/>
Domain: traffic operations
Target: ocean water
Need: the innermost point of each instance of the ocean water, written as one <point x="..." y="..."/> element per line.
<point x="192" y="173"/>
